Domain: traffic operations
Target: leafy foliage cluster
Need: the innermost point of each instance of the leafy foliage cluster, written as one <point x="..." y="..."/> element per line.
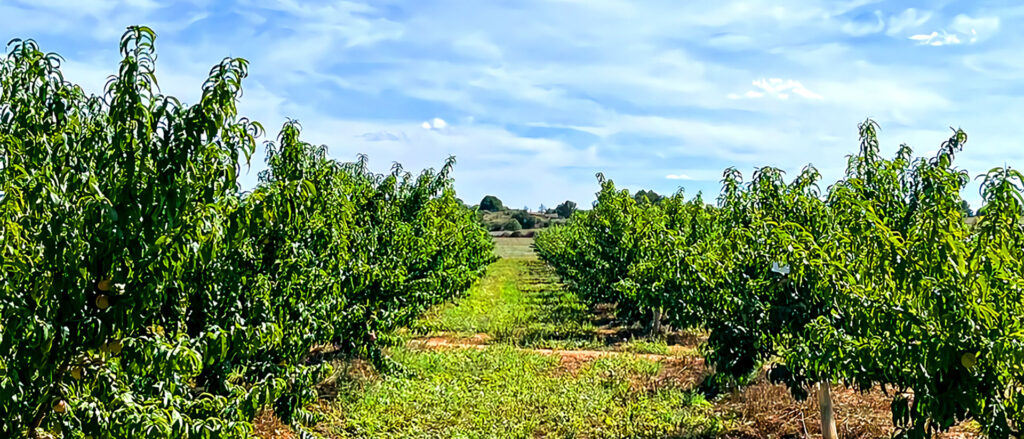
<point x="877" y="282"/>
<point x="566" y="209"/>
<point x="143" y="294"/>
<point x="490" y="203"/>
<point x="524" y="219"/>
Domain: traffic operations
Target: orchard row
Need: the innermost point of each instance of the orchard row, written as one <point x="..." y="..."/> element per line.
<point x="879" y="281"/>
<point x="144" y="294"/>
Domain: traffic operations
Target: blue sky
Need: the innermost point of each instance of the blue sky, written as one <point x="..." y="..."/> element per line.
<point x="535" y="96"/>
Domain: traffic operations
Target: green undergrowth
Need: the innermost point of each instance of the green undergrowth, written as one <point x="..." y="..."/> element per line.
<point x="645" y="346"/>
<point x="514" y="248"/>
<point x="505" y="392"/>
<point x="518" y="302"/>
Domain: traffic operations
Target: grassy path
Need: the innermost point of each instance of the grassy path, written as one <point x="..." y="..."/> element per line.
<point x="521" y="302"/>
<point x="518" y="302"/>
<point x="540" y="366"/>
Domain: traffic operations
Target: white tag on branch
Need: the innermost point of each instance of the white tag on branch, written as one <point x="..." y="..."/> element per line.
<point x="781" y="269"/>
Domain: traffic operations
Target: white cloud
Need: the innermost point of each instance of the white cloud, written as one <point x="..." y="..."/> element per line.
<point x="382" y="136"/>
<point x="661" y="100"/>
<point x="936" y="39"/>
<point x="978" y="28"/>
<point x="678" y="177"/>
<point x="778" y="88"/>
<point x="436" y="124"/>
<point x="751" y="94"/>
<point x="908" y="19"/>
<point x="964" y="28"/>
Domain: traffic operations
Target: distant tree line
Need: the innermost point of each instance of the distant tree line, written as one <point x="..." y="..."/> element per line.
<point x="493" y="213"/>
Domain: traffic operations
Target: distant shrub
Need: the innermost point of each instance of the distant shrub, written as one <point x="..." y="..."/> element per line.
<point x="512" y="225"/>
<point x="643" y="196"/>
<point x="565" y="209"/>
<point x="525" y="219"/>
<point x="491" y="203"/>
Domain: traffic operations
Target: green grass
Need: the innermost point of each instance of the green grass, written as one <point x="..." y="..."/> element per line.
<point x="505" y="391"/>
<point x="514" y="248"/>
<point x="494" y="305"/>
<point x="519" y="302"/>
<point x="644" y="346"/>
<point x="509" y="393"/>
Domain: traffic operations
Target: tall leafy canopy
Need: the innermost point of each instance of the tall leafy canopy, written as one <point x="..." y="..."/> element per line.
<point x="143" y="293"/>
<point x="878" y="282"/>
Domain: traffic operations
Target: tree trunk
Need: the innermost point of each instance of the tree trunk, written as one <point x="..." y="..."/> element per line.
<point x="656" y="321"/>
<point x="828" y="420"/>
